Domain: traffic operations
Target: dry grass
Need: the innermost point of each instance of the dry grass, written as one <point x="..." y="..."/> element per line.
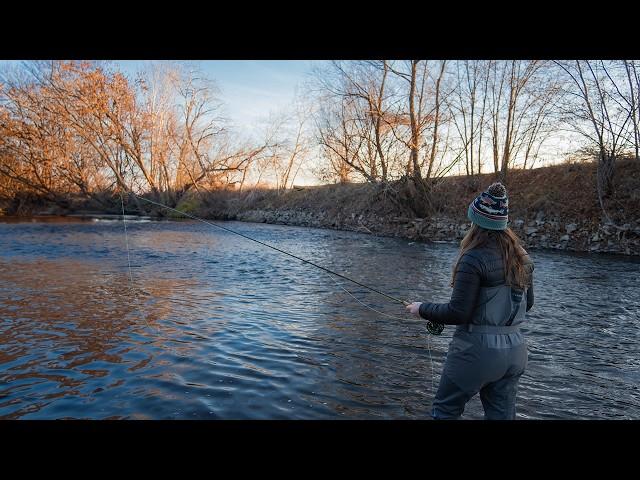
<point x="566" y="191"/>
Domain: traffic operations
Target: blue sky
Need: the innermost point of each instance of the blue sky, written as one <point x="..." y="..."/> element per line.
<point x="250" y="89"/>
<point x="253" y="89"/>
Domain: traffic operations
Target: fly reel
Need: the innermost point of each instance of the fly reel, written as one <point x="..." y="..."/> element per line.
<point x="434" y="328"/>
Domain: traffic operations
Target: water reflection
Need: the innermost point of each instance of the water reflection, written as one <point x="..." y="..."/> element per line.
<point x="67" y="325"/>
<point x="213" y="326"/>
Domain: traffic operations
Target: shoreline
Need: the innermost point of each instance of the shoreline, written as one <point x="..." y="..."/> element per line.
<point x="553" y="207"/>
<point x="541" y="234"/>
<point x="535" y="234"/>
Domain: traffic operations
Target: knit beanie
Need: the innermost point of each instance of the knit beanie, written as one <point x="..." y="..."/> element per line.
<point x="490" y="209"/>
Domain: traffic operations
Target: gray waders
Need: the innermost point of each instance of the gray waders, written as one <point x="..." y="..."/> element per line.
<point x="486" y="356"/>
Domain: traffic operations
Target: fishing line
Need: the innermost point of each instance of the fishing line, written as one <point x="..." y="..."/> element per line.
<point x="430" y="361"/>
<point x="432" y="327"/>
<point x="364" y="304"/>
<point x="396" y="318"/>
<point x="391" y="297"/>
<point x="126" y="238"/>
<point x="131" y="286"/>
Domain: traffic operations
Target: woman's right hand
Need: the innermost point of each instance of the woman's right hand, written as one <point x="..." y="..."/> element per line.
<point x="414" y="308"/>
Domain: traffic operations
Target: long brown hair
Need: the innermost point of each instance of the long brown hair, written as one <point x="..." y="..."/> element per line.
<point x="513" y="255"/>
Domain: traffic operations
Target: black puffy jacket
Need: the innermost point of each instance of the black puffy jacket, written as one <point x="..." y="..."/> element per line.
<point x="478" y="269"/>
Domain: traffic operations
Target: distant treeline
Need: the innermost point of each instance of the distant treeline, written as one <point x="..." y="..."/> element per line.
<point x="82" y="128"/>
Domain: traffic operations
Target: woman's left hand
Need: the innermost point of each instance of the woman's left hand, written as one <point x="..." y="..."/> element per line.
<point x="414" y="308"/>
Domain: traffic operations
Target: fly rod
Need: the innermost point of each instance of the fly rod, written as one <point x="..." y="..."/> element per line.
<point x="432" y="327"/>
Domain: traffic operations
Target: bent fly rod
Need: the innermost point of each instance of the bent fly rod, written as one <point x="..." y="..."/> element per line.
<point x="434" y="328"/>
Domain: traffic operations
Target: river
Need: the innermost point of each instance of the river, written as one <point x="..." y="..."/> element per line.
<point x="212" y="326"/>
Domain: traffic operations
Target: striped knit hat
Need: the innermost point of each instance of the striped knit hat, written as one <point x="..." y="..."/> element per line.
<point x="490" y="209"/>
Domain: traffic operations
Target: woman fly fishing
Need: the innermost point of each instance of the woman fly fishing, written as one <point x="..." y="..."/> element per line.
<point x="492" y="289"/>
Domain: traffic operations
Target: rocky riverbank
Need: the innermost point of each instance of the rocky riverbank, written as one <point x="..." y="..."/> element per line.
<point x="541" y="232"/>
<point x="552" y="207"/>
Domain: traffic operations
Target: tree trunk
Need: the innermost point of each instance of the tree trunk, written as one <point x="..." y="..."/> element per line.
<point x="415" y="134"/>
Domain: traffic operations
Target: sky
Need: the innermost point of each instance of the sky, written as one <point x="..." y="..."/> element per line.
<point x="250" y="89"/>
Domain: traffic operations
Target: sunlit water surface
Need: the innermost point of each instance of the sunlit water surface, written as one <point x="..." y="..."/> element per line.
<point x="212" y="326"/>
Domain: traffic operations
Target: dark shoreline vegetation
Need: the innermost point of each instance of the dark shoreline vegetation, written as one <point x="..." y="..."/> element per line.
<point x="73" y="134"/>
<point x="565" y="215"/>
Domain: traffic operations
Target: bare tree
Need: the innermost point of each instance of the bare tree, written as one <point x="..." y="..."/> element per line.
<point x="79" y="126"/>
<point x="522" y="97"/>
<point x="468" y="108"/>
<point x="189" y="142"/>
<point x="418" y="117"/>
<point x="596" y="112"/>
<point x="632" y="99"/>
<point x="340" y="141"/>
<point x="47" y="109"/>
<point x="299" y="147"/>
<point x="364" y="87"/>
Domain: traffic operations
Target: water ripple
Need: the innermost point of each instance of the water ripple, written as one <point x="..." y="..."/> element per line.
<point x="214" y="327"/>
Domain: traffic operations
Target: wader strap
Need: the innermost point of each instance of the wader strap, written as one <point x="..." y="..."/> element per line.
<point x="491" y="328"/>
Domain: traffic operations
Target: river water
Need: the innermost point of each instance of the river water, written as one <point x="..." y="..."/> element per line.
<point x="212" y="326"/>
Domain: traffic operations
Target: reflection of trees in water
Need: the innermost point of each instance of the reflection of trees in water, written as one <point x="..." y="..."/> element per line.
<point x="60" y="315"/>
<point x="44" y="219"/>
<point x="171" y="241"/>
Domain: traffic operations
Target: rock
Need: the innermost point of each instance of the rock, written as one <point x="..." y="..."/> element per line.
<point x="595" y="238"/>
<point x="564" y="238"/>
<point x="518" y="223"/>
<point x="571" y="227"/>
<point x="530" y="230"/>
<point x="539" y="215"/>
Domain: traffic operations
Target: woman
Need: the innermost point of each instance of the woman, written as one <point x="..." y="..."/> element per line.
<point x="492" y="289"/>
